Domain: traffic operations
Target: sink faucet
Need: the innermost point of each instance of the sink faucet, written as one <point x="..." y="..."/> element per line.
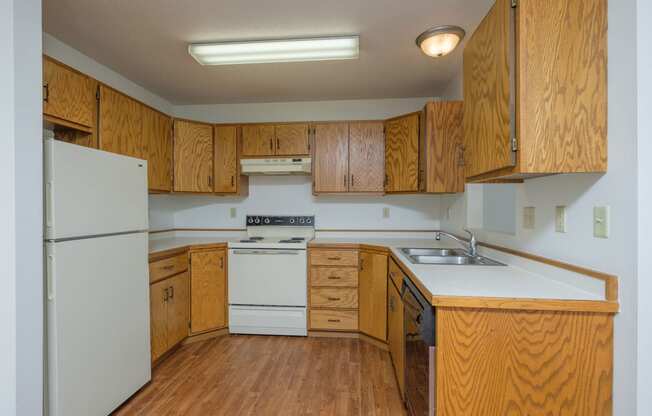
<point x="471" y="246"/>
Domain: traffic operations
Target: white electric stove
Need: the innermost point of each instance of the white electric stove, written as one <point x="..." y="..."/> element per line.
<point x="268" y="274"/>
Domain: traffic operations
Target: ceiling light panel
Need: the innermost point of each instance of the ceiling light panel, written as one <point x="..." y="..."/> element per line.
<point x="282" y="50"/>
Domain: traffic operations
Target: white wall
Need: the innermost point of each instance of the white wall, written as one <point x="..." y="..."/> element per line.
<point x="644" y="56"/>
<point x="580" y="193"/>
<point x="21" y="282"/>
<point x="60" y="51"/>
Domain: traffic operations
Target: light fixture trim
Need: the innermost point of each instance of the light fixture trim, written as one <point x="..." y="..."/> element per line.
<point x="276" y="50"/>
<point x="441" y="30"/>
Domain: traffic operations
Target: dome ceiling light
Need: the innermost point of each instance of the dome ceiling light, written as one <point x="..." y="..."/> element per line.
<point x="440" y="40"/>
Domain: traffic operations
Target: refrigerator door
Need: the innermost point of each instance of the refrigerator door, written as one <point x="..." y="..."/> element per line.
<point x="98" y="323"/>
<point x="90" y="192"/>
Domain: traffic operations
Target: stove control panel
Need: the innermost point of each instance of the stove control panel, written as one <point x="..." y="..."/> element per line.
<point x="300" y="221"/>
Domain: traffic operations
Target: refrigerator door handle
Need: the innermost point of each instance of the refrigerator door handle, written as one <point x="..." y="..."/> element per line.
<point x="50" y="277"/>
<point x="49" y="215"/>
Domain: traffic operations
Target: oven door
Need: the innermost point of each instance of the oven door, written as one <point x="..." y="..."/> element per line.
<point x="419" y="353"/>
<point x="267" y="277"/>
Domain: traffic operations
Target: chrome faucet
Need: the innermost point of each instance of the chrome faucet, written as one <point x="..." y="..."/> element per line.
<point x="471" y="245"/>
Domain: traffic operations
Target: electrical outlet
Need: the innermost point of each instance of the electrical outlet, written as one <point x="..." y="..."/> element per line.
<point x="233" y="212"/>
<point x="601" y="222"/>
<point x="386" y="212"/>
<point x="529" y="219"/>
<point x="560" y="219"/>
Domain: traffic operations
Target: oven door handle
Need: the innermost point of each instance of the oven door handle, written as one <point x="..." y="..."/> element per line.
<point x="267" y="252"/>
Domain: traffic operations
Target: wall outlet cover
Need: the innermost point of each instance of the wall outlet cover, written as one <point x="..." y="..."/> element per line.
<point x="233" y="212"/>
<point x="601" y="222"/>
<point x="560" y="219"/>
<point x="529" y="218"/>
<point x="386" y="212"/>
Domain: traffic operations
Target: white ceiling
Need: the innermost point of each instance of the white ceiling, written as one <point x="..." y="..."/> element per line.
<point x="146" y="41"/>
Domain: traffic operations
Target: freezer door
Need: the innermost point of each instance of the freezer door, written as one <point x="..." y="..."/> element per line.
<point x="90" y="192"/>
<point x="97" y="323"/>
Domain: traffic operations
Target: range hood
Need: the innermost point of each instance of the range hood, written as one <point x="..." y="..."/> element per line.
<point x="276" y="166"/>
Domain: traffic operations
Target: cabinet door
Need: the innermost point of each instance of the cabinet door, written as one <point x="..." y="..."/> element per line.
<point x="68" y="96"/>
<point x="208" y="290"/>
<point x="193" y="157"/>
<point x="158" y="297"/>
<point x="178" y="308"/>
<point x="331" y="164"/>
<point x="366" y="157"/>
<point x="373" y="294"/>
<point x="395" y="335"/>
<point x="402" y="154"/>
<point x="487" y="93"/>
<point x="121" y="124"/>
<point x="157" y="131"/>
<point x="226" y="159"/>
<point x="292" y="139"/>
<point x="258" y="140"/>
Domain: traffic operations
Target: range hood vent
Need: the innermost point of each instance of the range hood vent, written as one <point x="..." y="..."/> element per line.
<point x="276" y="166"/>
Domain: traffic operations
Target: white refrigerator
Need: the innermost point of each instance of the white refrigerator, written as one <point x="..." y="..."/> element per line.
<point x="97" y="282"/>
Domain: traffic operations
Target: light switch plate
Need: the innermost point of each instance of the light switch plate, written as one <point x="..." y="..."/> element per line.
<point x="601" y="222"/>
<point x="560" y="219"/>
<point x="233" y="212"/>
<point x="386" y="212"/>
<point x="529" y="219"/>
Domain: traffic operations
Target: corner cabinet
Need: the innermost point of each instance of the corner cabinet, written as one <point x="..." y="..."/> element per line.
<point x="193" y="157"/>
<point x="535" y="90"/>
<point x="402" y="154"/>
<point x="228" y="179"/>
<point x="373" y="294"/>
<point x="121" y="124"/>
<point x="208" y="290"/>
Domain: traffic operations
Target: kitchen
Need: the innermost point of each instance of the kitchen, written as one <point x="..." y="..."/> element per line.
<point x="234" y="234"/>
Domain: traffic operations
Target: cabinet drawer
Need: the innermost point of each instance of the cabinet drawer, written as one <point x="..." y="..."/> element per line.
<point x="334" y="298"/>
<point x="334" y="258"/>
<point x="334" y="276"/>
<point x="396" y="275"/>
<point x="167" y="267"/>
<point x="334" y="320"/>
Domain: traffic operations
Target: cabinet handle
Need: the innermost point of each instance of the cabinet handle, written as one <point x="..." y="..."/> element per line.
<point x="334" y="299"/>
<point x="352" y="180"/>
<point x="334" y="278"/>
<point x="334" y="258"/>
<point x="222" y="263"/>
<point x="361" y="264"/>
<point x="391" y="304"/>
<point x="334" y="320"/>
<point x="232" y="180"/>
<point x="168" y="267"/>
<point x="171" y="292"/>
<point x="271" y="145"/>
<point x="166" y="295"/>
<point x="46" y="92"/>
<point x="278" y="144"/>
<point x="386" y="180"/>
<point x="210" y="181"/>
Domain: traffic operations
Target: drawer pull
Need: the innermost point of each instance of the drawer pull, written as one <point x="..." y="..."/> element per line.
<point x="334" y="299"/>
<point x="334" y="258"/>
<point x="334" y="320"/>
<point x="334" y="278"/>
<point x="168" y="267"/>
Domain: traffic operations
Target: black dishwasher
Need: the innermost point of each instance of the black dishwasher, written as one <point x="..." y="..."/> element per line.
<point x="419" y="327"/>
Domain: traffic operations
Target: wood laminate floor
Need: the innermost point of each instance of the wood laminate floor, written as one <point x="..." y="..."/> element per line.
<point x="258" y="375"/>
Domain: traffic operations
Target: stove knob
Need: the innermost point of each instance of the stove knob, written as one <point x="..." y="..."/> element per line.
<point x="302" y="220"/>
<point x="250" y="220"/>
<point x="266" y="220"/>
<point x="308" y="220"/>
<point x="291" y="220"/>
<point x="257" y="220"/>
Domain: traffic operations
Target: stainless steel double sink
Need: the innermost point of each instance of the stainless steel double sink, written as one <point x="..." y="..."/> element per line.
<point x="446" y="256"/>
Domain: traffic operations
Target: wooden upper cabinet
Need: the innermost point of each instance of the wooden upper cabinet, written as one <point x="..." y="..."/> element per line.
<point x="157" y="132"/>
<point x="366" y="157"/>
<point x="331" y="161"/>
<point x="258" y="140"/>
<point x="121" y="124"/>
<point x="373" y="294"/>
<point x="208" y="290"/>
<point x="292" y="139"/>
<point x="557" y="56"/>
<point x="193" y="157"/>
<point x="402" y="154"/>
<point x="227" y="169"/>
<point x="68" y="96"/>
<point x="441" y="166"/>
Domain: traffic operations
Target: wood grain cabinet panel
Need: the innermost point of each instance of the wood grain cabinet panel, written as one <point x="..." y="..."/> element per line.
<point x="334" y="320"/>
<point x="402" y="154"/>
<point x="331" y="164"/>
<point x="323" y="297"/>
<point x="208" y="290"/>
<point x="334" y="276"/>
<point x="366" y="156"/>
<point x="258" y="140"/>
<point x="178" y="308"/>
<point x="334" y="258"/>
<point x="121" y="124"/>
<point x="170" y="266"/>
<point x="373" y="294"/>
<point x="158" y="326"/>
<point x="558" y="114"/>
<point x="68" y="96"/>
<point x="292" y="139"/>
<point x="227" y="168"/>
<point x="395" y="334"/>
<point x="193" y="157"/>
<point x="157" y="133"/>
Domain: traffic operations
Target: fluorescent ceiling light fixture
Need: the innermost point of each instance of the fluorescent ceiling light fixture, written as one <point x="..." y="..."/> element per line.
<point x="281" y="50"/>
<point x="440" y="41"/>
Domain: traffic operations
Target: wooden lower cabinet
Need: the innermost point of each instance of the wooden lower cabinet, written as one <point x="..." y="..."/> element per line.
<point x="208" y="290"/>
<point x="169" y="313"/>
<point x="373" y="294"/>
<point x="395" y="335"/>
